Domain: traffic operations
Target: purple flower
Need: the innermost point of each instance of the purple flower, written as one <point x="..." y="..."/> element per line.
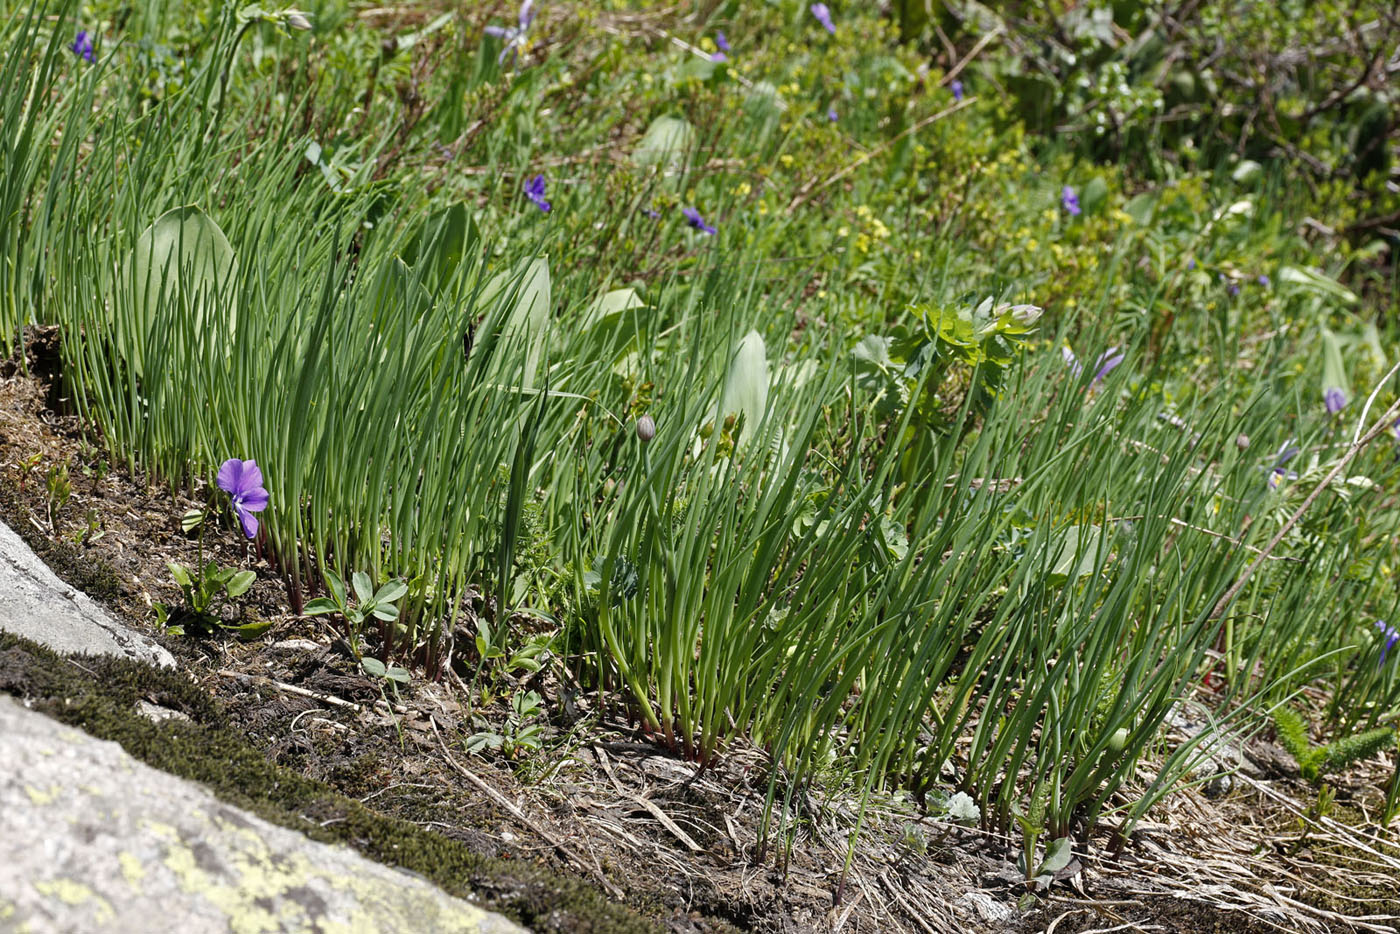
<point x="957" y="88"/>
<point x="823" y="15"/>
<point x="693" y="218"/>
<point x="82" y="46"/>
<point x="1278" y="473"/>
<point x="719" y="57"/>
<point x="1070" y="201"/>
<point x="243" y="482"/>
<point x="1106" y="363"/>
<point x="514" y="36"/>
<point x="832" y="115"/>
<point x="653" y="213"/>
<point x="1263" y="280"/>
<point x="1191" y="263"/>
<point x="1391" y="637"/>
<point x="722" y="42"/>
<point x="1335" y="400"/>
<point x="534" y="190"/>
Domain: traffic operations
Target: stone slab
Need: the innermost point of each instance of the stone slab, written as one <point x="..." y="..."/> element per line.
<point x="93" y="840"/>
<point x="35" y="604"/>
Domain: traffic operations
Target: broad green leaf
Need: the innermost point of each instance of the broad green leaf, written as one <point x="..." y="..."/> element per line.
<point x="319" y="606"/>
<point x="666" y="143"/>
<point x="1078" y="551"/>
<point x="181" y="574"/>
<point x="239" y="583"/>
<point x="364" y="588"/>
<point x="1057" y="856"/>
<point x="388" y="612"/>
<point x="337" y="588"/>
<point x="183" y="249"/>
<point x="746" y="385"/>
<point x="1334" y="371"/>
<point x="250" y="630"/>
<point x="391" y="591"/>
<point x="373" y="666"/>
<point x="1316" y="282"/>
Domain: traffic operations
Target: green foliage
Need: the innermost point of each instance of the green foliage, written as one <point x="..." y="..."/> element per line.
<point x="1315" y="761"/>
<point x="880" y="529"/>
<point x="206" y="588"/>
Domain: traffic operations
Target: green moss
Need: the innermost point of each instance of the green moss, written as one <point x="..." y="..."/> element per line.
<point x="100" y="698"/>
<point x="95" y="578"/>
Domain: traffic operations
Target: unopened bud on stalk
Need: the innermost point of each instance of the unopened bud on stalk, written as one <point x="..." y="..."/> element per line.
<point x="1026" y="315"/>
<point x="296" y="19"/>
<point x="646" y="428"/>
<point x="1242" y="442"/>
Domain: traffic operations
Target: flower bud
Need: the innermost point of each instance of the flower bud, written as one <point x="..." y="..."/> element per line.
<point x="296" y="19"/>
<point x="1026" y="315"/>
<point x="1242" y="442"/>
<point x="646" y="428"/>
<point x="1118" y="740"/>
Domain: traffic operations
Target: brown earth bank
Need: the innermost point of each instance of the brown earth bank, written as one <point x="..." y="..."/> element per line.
<point x="600" y="830"/>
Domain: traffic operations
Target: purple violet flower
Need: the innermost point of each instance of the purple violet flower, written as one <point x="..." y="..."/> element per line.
<point x="1391" y="637"/>
<point x="1263" y="280"/>
<point x="957" y="88"/>
<point x="514" y="36"/>
<point x="832" y="115"/>
<point x="693" y="218"/>
<point x="1070" y="201"/>
<point x="823" y="15"/>
<point x="1191" y="263"/>
<point x="722" y="42"/>
<point x="1106" y="363"/>
<point x="1334" y="399"/>
<point x="82" y="46"/>
<point x="243" y="482"/>
<point x="534" y="190"/>
<point x="1278" y="473"/>
<point x="719" y="57"/>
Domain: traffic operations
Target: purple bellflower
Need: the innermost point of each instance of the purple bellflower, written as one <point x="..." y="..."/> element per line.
<point x="82" y="46"/>
<point x="823" y="16"/>
<point x="1335" y="400"/>
<point x="1278" y="472"/>
<point x="693" y="218"/>
<point x="957" y="88"/>
<point x="243" y="482"/>
<point x="1391" y="637"/>
<point x="534" y="190"/>
<point x="1069" y="200"/>
<point x="514" y="36"/>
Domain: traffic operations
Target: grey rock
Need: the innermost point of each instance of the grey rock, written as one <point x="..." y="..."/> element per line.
<point x="92" y="840"/>
<point x="35" y="604"/>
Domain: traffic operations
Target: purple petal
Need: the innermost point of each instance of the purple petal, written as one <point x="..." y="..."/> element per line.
<point x="1334" y="399"/>
<point x="1108" y="361"/>
<point x="527" y="14"/>
<point x="253" y="500"/>
<point x="721" y="42"/>
<point x="957" y="89"/>
<point x="719" y="57"/>
<point x="250" y="523"/>
<point x="229" y="472"/>
<point x="1071" y="361"/>
<point x="500" y="32"/>
<point x="252" y="478"/>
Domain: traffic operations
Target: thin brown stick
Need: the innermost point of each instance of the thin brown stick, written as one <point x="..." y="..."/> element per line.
<point x="559" y="845"/>
<point x="290" y="689"/>
<point x="1350" y="455"/>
